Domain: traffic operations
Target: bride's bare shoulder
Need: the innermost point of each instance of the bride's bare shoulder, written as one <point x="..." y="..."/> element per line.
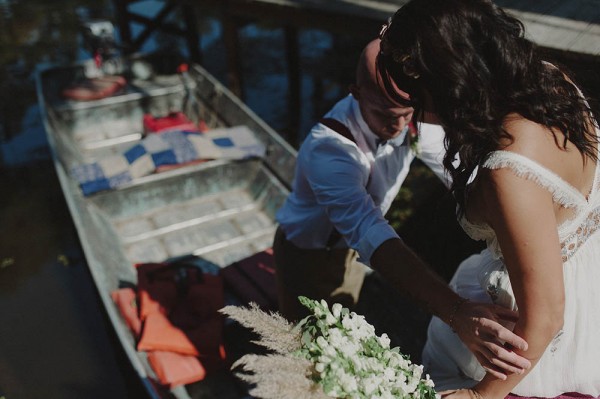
<point x="537" y="142"/>
<point x="549" y="148"/>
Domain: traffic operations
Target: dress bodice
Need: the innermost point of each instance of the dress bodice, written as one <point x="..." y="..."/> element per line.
<point x="569" y="362"/>
<point x="581" y="274"/>
<point x="572" y="232"/>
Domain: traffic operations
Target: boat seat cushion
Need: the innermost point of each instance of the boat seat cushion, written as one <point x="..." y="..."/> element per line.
<point x="175" y="147"/>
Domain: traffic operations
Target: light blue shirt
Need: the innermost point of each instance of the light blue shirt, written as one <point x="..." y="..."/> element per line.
<point x="351" y="186"/>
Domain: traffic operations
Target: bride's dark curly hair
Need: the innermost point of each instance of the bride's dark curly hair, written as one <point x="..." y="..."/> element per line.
<point x="473" y="61"/>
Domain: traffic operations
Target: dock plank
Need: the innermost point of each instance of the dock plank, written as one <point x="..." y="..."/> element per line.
<point x="572" y="25"/>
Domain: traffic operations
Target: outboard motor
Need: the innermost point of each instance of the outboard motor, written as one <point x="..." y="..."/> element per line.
<point x="99" y="39"/>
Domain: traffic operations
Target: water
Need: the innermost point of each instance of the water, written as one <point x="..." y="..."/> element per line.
<point x="54" y="338"/>
<point x="55" y="341"/>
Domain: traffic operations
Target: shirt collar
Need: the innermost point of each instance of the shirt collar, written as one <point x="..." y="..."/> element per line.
<point x="373" y="141"/>
<point x="401" y="139"/>
<point x="370" y="137"/>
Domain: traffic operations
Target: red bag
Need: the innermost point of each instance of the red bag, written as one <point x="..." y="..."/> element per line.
<point x="179" y="305"/>
<point x="180" y="291"/>
<point x="94" y="88"/>
<point x="181" y="329"/>
<point x="172" y="121"/>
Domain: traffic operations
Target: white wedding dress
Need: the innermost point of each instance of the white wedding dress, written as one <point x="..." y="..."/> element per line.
<point x="571" y="363"/>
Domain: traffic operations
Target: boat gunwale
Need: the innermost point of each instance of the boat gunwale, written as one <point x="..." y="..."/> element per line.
<point x="74" y="198"/>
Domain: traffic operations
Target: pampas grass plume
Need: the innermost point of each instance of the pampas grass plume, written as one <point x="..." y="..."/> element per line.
<point x="275" y="332"/>
<point x="279" y="375"/>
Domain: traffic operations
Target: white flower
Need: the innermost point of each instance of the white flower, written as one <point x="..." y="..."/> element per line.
<point x="335" y="392"/>
<point x="386" y="394"/>
<point x="348" y="382"/>
<point x="330" y="319"/>
<point x="336" y="337"/>
<point x="389" y="374"/>
<point x="412" y="384"/>
<point x="359" y="363"/>
<point x="369" y="386"/>
<point x="428" y="382"/>
<point x="353" y="361"/>
<point x="336" y="309"/>
<point x="417" y="371"/>
<point x="318" y="311"/>
<point x="322" y="342"/>
<point x="349" y="349"/>
<point x="330" y="351"/>
<point x="384" y="340"/>
<point x="349" y="322"/>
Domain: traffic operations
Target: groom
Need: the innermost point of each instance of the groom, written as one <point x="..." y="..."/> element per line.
<point x="349" y="169"/>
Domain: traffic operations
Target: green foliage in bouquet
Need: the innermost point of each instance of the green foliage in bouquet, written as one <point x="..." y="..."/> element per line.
<point x="331" y="353"/>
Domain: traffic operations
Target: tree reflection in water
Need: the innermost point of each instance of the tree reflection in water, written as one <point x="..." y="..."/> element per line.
<point x="54" y="337"/>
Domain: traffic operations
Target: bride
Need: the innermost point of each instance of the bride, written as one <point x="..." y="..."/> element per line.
<point x="526" y="182"/>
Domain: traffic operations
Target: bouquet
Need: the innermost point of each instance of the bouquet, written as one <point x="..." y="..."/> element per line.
<point x="330" y="353"/>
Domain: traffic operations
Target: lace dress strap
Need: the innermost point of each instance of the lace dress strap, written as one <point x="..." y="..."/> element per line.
<point x="562" y="192"/>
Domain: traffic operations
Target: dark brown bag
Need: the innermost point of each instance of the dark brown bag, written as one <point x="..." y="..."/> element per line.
<point x="253" y="280"/>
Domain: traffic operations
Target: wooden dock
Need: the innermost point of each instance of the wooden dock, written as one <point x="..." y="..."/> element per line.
<point x="568" y="25"/>
<point x="568" y="29"/>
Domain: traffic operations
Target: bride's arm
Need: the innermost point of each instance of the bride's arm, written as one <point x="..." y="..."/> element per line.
<point x="477" y="324"/>
<point x="522" y="215"/>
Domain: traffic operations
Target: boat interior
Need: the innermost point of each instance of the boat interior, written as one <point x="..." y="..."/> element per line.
<point x="217" y="211"/>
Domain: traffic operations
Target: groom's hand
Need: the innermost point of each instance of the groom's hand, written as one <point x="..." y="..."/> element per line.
<point x="478" y="326"/>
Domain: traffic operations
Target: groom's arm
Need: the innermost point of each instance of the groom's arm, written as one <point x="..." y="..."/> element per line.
<point x="479" y="327"/>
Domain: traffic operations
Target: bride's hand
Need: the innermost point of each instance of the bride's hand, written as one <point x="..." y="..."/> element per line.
<point x="460" y="394"/>
<point x="478" y="326"/>
<point x="456" y="394"/>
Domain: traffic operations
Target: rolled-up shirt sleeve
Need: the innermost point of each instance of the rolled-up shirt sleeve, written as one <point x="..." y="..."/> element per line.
<point x="431" y="141"/>
<point x="338" y="175"/>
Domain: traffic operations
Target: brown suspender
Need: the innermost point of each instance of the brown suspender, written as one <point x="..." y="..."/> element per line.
<point x="338" y="127"/>
<point x="342" y="130"/>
